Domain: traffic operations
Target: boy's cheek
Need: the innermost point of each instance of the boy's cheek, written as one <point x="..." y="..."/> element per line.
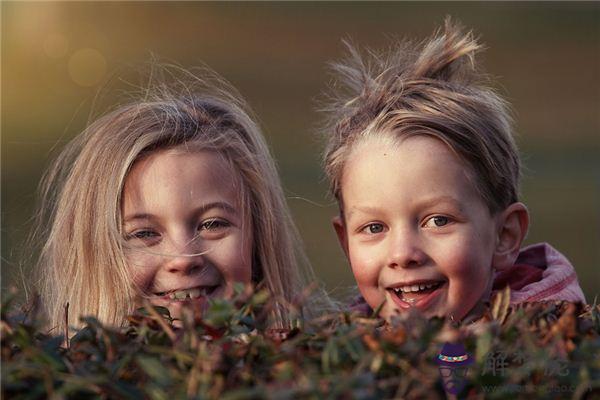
<point x="372" y="296"/>
<point x="467" y="291"/>
<point x="365" y="268"/>
<point x="464" y="260"/>
<point x="364" y="277"/>
<point x="366" y="274"/>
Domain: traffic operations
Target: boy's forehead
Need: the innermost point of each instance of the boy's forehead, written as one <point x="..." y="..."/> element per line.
<point x="419" y="168"/>
<point x="414" y="148"/>
<point x="374" y="140"/>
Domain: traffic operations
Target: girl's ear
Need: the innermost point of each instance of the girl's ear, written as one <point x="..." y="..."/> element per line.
<point x="512" y="228"/>
<point x="340" y="230"/>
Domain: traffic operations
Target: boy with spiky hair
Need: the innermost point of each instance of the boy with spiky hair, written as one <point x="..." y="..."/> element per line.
<point x="421" y="158"/>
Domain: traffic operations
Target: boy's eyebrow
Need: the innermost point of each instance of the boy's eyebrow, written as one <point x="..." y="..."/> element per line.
<point x="200" y="210"/>
<point x="363" y="209"/>
<point x="423" y="204"/>
<point x="441" y="199"/>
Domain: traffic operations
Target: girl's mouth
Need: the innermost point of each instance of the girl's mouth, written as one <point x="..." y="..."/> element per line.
<point x="188" y="294"/>
<point x="416" y="295"/>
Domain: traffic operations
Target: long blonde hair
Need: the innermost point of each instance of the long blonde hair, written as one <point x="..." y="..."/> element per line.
<point x="82" y="262"/>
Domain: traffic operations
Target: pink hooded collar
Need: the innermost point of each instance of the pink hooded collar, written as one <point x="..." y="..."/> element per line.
<point x="540" y="273"/>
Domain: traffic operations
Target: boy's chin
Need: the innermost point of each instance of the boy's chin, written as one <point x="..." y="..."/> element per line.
<point x="394" y="312"/>
<point x="455" y="316"/>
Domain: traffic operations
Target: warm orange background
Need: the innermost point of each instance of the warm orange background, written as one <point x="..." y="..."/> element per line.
<point x="56" y="58"/>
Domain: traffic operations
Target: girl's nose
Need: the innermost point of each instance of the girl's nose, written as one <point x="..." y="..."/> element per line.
<point x="405" y="250"/>
<point x="184" y="264"/>
<point x="184" y="257"/>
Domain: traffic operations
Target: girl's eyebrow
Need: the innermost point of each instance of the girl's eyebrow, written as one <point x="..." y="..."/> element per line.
<point x="216" y="204"/>
<point x="198" y="211"/>
<point x="137" y="216"/>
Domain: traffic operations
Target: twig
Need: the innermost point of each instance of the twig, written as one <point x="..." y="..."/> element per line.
<point x="68" y="342"/>
<point x="160" y="320"/>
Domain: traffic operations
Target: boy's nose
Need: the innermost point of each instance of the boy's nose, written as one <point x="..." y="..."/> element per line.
<point x="405" y="250"/>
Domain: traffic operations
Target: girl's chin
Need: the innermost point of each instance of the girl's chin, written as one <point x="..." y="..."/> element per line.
<point x="175" y="306"/>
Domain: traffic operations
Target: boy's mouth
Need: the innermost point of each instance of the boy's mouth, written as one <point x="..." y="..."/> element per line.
<point x="418" y="294"/>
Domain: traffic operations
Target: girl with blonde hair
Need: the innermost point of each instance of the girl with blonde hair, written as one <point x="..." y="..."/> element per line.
<point x="174" y="198"/>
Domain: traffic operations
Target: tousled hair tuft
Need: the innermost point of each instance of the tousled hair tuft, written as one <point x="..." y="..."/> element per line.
<point x="432" y="88"/>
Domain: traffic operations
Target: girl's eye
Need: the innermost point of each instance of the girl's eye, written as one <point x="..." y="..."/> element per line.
<point x="373" y="228"/>
<point x="214" y="224"/>
<point x="437" y="221"/>
<point x="143" y="234"/>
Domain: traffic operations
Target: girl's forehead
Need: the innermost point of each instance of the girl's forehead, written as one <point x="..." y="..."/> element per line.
<point x="184" y="159"/>
<point x="164" y="171"/>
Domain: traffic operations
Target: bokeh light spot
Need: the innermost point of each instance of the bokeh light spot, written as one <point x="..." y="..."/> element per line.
<point x="56" y="45"/>
<point x="87" y="67"/>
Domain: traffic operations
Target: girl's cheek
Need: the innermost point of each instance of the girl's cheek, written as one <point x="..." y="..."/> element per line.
<point x="243" y="274"/>
<point x="235" y="264"/>
<point x="143" y="270"/>
<point x="141" y="280"/>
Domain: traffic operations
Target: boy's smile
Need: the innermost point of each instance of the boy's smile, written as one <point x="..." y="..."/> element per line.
<point x="415" y="229"/>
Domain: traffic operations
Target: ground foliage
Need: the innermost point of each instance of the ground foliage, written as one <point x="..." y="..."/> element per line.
<point x="547" y="350"/>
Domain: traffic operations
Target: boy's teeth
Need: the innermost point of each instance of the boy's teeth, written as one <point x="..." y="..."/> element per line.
<point x="414" y="288"/>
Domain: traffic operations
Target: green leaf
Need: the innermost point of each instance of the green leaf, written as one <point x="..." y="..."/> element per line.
<point x="154" y="369"/>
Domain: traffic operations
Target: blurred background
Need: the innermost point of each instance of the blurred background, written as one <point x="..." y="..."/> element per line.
<point x="63" y="62"/>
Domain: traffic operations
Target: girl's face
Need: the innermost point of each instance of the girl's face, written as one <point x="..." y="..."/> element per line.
<point x="415" y="230"/>
<point x="184" y="228"/>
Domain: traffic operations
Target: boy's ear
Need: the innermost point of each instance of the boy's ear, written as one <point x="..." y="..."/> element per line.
<point x="340" y="230"/>
<point x="512" y="228"/>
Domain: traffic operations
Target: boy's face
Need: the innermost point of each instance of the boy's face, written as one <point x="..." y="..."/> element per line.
<point x="415" y="229"/>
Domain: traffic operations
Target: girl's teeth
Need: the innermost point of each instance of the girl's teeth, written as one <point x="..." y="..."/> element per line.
<point x="188" y="293"/>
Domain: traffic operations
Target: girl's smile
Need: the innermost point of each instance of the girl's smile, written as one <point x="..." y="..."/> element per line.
<point x="415" y="229"/>
<point x="186" y="236"/>
<point x="185" y="294"/>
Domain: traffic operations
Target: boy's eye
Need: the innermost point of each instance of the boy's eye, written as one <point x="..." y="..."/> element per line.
<point x="373" y="228"/>
<point x="437" y="221"/>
